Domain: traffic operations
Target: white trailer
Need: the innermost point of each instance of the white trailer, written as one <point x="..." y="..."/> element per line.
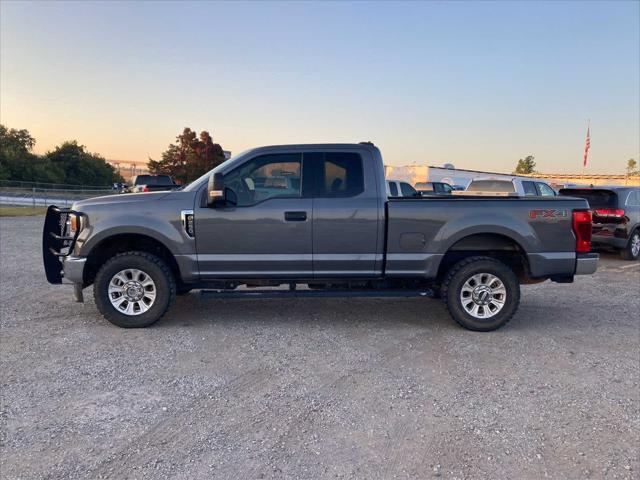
<point x="453" y="176"/>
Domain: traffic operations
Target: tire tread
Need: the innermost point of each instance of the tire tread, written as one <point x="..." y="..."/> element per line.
<point x="106" y="310"/>
<point x="449" y="278"/>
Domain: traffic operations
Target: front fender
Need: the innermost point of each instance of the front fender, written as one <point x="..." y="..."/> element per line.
<point x="167" y="231"/>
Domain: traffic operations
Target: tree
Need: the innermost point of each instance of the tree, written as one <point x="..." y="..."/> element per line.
<point x="69" y="163"/>
<point x="526" y="165"/>
<point x="81" y="167"/>
<point x="189" y="157"/>
<point x="632" y="167"/>
<point x="17" y="162"/>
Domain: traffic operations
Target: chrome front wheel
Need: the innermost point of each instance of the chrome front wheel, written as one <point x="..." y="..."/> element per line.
<point x="132" y="291"/>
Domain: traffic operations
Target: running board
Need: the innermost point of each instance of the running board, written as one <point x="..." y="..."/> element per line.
<point x="315" y="293"/>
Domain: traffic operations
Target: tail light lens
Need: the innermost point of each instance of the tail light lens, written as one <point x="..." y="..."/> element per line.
<point x="609" y="212"/>
<point x="582" y="229"/>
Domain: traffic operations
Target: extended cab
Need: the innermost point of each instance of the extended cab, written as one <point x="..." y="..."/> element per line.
<point x="316" y="217"/>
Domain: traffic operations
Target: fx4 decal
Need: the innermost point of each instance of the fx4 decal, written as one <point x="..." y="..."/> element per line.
<point x="550" y="214"/>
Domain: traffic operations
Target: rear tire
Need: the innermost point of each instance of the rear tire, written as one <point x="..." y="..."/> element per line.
<point x="481" y="293"/>
<point x="632" y="250"/>
<point x="134" y="289"/>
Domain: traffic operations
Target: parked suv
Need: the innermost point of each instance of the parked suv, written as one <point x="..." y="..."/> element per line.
<point x="616" y="217"/>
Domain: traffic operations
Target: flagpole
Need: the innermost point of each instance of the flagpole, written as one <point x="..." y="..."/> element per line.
<point x="584" y="159"/>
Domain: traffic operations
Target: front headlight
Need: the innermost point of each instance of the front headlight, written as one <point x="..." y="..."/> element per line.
<point x="75" y="223"/>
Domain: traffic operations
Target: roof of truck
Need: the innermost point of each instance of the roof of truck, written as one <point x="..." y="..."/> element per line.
<point x="316" y="146"/>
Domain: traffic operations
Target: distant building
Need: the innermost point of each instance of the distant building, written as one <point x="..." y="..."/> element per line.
<point x="129" y="168"/>
<point x="456" y="176"/>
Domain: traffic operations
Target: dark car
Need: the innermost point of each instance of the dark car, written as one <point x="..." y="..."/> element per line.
<point x="616" y="217"/>
<point x="152" y="183"/>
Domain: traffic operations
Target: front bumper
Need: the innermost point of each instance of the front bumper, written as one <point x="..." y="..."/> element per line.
<point x="586" y="263"/>
<point x="57" y="243"/>
<point x="73" y="269"/>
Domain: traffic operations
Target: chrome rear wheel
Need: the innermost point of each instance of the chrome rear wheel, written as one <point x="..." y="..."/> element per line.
<point x="483" y="295"/>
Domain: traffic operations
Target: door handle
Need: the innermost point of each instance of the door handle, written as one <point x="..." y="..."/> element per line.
<point x="295" y="216"/>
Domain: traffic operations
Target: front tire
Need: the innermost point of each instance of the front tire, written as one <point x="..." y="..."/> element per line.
<point x="481" y="293"/>
<point x="632" y="250"/>
<point x="134" y="289"/>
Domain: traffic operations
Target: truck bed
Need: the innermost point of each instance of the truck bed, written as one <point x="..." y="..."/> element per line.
<point x="421" y="230"/>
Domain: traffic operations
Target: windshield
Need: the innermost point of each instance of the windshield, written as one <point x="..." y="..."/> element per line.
<point x="491" y="186"/>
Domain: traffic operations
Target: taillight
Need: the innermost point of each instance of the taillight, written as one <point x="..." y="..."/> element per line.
<point x="582" y="230"/>
<point x="609" y="212"/>
<point x="145" y="188"/>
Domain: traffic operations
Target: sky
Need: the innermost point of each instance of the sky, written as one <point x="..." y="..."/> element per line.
<point x="475" y="84"/>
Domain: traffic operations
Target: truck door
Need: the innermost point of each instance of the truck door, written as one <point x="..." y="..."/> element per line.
<point x="345" y="216"/>
<point x="267" y="233"/>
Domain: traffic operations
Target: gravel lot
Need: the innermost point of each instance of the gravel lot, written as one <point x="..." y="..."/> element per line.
<point x="322" y="388"/>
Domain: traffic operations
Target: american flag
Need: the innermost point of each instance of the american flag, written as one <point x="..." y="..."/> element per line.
<point x="587" y="146"/>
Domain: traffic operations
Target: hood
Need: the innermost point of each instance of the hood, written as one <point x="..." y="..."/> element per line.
<point x="119" y="198"/>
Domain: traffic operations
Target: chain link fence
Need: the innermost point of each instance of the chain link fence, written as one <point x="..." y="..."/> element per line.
<point x="38" y="194"/>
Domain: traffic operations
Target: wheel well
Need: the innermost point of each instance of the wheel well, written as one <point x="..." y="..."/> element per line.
<point x="126" y="242"/>
<point x="494" y="245"/>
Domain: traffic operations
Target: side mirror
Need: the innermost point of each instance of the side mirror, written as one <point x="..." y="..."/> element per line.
<point x="215" y="189"/>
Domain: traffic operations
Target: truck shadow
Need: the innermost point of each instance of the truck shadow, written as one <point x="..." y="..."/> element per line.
<point x="193" y="310"/>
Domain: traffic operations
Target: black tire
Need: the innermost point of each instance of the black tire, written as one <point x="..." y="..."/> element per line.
<point x="463" y="271"/>
<point x="154" y="267"/>
<point x="627" y="252"/>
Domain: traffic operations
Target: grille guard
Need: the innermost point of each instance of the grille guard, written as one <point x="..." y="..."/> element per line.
<point x="56" y="244"/>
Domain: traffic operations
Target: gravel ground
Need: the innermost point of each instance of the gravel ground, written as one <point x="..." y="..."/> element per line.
<point x="322" y="388"/>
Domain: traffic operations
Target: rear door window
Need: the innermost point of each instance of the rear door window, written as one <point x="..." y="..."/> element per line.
<point x="393" y="189"/>
<point x="633" y="200"/>
<point x="341" y="175"/>
<point x="529" y="189"/>
<point x="545" y="190"/>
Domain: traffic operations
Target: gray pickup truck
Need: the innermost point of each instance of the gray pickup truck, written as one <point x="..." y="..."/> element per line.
<point x="316" y="221"/>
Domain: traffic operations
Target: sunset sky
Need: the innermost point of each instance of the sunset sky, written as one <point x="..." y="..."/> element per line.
<point x="475" y="84"/>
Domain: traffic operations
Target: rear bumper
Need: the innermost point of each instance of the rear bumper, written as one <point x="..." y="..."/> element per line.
<point x="609" y="240"/>
<point x="586" y="263"/>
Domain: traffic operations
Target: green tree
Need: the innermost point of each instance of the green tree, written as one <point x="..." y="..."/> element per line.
<point x="632" y="167"/>
<point x="189" y="157"/>
<point x="17" y="162"/>
<point x="81" y="167"/>
<point x="526" y="165"/>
